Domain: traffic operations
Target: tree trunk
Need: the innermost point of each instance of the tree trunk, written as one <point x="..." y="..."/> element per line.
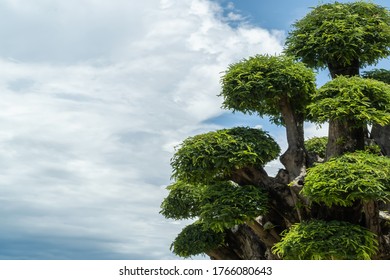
<point x="343" y="137"/>
<point x="241" y="244"/>
<point x="223" y="253"/>
<point x="381" y="135"/>
<point x="255" y="239"/>
<point x="294" y="159"/>
<point x="246" y="244"/>
<point x="264" y="235"/>
<point x="351" y="214"/>
<point x="344" y="70"/>
<point x="284" y="201"/>
<point x="371" y="216"/>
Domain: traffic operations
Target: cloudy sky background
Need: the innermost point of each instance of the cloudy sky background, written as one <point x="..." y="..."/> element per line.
<point x="95" y="95"/>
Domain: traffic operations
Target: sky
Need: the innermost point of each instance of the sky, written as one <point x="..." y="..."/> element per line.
<point x="95" y="96"/>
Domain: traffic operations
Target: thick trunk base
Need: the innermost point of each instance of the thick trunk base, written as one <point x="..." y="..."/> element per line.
<point x="381" y="135"/>
<point x="344" y="137"/>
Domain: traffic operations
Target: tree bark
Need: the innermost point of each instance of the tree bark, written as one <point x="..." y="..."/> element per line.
<point x="351" y="214"/>
<point x="294" y="159"/>
<point x="343" y="137"/>
<point x="345" y="70"/>
<point x="284" y="202"/>
<point x="251" y="175"/>
<point x="241" y="244"/>
<point x="381" y="135"/>
<point x="265" y="236"/>
<point x="246" y="243"/>
<point x="371" y="214"/>
<point x="223" y="253"/>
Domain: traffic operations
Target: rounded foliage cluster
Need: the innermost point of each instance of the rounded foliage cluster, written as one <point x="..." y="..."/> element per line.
<point x="352" y="98"/>
<point x="341" y="33"/>
<point x="342" y="180"/>
<point x="258" y="85"/>
<point x="317" y="145"/>
<point x="195" y="239"/>
<point x="183" y="201"/>
<point x="320" y="240"/>
<point x="227" y="204"/>
<point x="214" y="155"/>
<point x="219" y="205"/>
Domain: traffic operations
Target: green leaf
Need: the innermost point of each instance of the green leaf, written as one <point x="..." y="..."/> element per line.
<point x="226" y="150"/>
<point x="340" y="33"/>
<point x="259" y="83"/>
<point x="350" y="177"/>
<point x="321" y="240"/>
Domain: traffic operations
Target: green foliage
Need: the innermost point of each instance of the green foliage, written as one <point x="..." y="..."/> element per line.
<point x="342" y="180"/>
<point x="258" y="85"/>
<point x="373" y="149"/>
<point x="320" y="240"/>
<point x="227" y="204"/>
<point x="337" y="35"/>
<point x="352" y="98"/>
<point x="382" y="75"/>
<point x="196" y="239"/>
<point x="214" y="155"/>
<point x="317" y="145"/>
<point x="341" y="33"/>
<point x="183" y="201"/>
<point x="219" y="205"/>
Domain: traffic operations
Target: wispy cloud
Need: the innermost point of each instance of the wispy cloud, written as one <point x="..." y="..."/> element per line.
<point x="95" y="94"/>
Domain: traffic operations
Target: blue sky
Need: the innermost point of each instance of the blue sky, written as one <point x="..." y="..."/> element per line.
<point x="96" y="95"/>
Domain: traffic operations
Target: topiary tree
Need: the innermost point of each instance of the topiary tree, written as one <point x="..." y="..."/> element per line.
<point x="278" y="87"/>
<point x="341" y="36"/>
<point x="350" y="103"/>
<point x="220" y="180"/>
<point x="329" y="201"/>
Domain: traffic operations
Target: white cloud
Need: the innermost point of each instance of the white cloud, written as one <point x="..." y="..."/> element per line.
<point x="315" y="130"/>
<point x="94" y="97"/>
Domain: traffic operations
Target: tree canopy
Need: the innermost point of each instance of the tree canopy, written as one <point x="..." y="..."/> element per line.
<point x="352" y="98"/>
<point x="354" y="176"/>
<point x="195" y="239"/>
<point x="321" y="240"/>
<point x="216" y="154"/>
<point x="260" y="83"/>
<point x="341" y="34"/>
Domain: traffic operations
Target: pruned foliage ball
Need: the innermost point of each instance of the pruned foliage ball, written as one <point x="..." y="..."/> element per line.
<point x="320" y="240"/>
<point x="350" y="177"/>
<point x="183" y="201"/>
<point x="261" y="84"/>
<point x="196" y="239"/>
<point x="214" y="155"/>
<point x="341" y="33"/>
<point x="352" y="98"/>
<point x="219" y="205"/>
<point x="227" y="204"/>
